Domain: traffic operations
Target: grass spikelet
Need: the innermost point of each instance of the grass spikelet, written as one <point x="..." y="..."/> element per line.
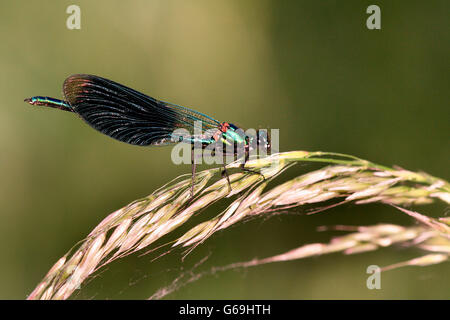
<point x="343" y="178"/>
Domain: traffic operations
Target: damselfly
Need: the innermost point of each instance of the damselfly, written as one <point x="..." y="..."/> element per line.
<point x="135" y="118"/>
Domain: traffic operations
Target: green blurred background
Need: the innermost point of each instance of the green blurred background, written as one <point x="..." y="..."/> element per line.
<point x="310" y="68"/>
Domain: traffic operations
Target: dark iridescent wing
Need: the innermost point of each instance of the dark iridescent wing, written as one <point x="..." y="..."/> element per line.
<point x="128" y="115"/>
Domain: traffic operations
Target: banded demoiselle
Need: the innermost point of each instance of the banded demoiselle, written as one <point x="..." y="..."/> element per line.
<point x="135" y="118"/>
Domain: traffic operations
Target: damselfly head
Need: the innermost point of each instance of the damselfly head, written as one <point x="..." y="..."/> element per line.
<point x="259" y="141"/>
<point x="263" y="139"/>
